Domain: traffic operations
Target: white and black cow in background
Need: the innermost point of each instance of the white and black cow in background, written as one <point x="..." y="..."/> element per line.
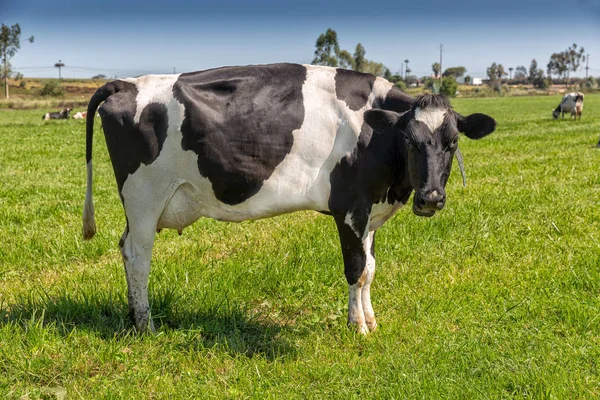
<point x="63" y="114"/>
<point x="80" y="115"/>
<point x="239" y="143"/>
<point x="570" y="103"/>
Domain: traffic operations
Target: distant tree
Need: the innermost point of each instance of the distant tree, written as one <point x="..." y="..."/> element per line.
<point x="557" y="65"/>
<point x="387" y="74"/>
<point x="536" y="75"/>
<point x="449" y="86"/>
<point x="495" y="72"/>
<point x="436" y="67"/>
<point x="328" y="53"/>
<point x="562" y="63"/>
<point x="372" y="67"/>
<point x="327" y="49"/>
<point x="345" y="60"/>
<point x="456" y="72"/>
<point x="10" y="43"/>
<point x="575" y="57"/>
<point x="359" y="58"/>
<point x="520" y="73"/>
<point x="99" y="76"/>
<point x="7" y="70"/>
<point x="468" y="79"/>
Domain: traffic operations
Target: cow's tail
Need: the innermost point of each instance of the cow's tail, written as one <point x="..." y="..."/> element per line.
<point x="89" y="222"/>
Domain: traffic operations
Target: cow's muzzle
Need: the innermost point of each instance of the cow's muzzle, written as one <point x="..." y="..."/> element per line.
<point x="426" y="204"/>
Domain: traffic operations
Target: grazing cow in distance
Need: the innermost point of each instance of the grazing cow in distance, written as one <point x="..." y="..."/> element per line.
<point x="64" y="114"/>
<point x="80" y="115"/>
<point x="240" y="143"/>
<point x="570" y="103"/>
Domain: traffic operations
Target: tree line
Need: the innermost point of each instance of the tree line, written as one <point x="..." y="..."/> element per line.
<point x="328" y="52"/>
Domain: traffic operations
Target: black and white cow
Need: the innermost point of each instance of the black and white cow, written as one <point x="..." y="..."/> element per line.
<point x="63" y="114"/>
<point x="570" y="103"/>
<point x="239" y="143"/>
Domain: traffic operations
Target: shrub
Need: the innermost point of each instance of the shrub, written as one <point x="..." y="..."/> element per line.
<point x="542" y="83"/>
<point x="449" y="86"/>
<point x="52" y="89"/>
<point x="589" y="83"/>
<point x="401" y="85"/>
<point x="22" y="84"/>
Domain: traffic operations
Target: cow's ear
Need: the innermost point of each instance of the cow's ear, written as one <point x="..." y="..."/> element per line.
<point x="475" y="126"/>
<point x="382" y="120"/>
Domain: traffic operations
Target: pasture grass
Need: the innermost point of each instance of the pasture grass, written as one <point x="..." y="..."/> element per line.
<point x="497" y="296"/>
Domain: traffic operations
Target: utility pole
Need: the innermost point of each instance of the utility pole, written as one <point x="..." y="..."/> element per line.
<point x="510" y="70"/>
<point x="406" y="69"/>
<point x="59" y="65"/>
<point x="587" y="65"/>
<point x="441" y="69"/>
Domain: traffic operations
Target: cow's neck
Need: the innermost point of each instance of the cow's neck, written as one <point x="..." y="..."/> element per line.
<point x="387" y="167"/>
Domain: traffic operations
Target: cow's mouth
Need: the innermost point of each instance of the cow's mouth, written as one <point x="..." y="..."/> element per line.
<point x="423" y="213"/>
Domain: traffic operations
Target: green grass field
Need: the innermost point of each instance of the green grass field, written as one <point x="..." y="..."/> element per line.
<point x="497" y="296"/>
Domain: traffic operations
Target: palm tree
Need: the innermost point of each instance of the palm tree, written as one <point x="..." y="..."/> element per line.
<point x="436" y="67"/>
<point x="406" y="69"/>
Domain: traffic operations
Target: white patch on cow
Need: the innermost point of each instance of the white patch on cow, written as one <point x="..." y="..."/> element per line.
<point x="349" y="220"/>
<point x="381" y="212"/>
<point x="433" y="117"/>
<point x="152" y="89"/>
<point x="360" y="309"/>
<point x="356" y="315"/>
<point x="369" y="274"/>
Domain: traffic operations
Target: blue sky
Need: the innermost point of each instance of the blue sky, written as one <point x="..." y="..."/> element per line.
<point x="128" y="38"/>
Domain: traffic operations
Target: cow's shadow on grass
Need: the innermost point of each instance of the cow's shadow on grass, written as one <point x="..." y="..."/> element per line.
<point x="227" y="329"/>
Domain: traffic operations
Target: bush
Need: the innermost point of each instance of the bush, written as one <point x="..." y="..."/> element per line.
<point x="449" y="86"/>
<point x="542" y="83"/>
<point x="52" y="89"/>
<point x="401" y="85"/>
<point x="589" y="83"/>
<point x="22" y="84"/>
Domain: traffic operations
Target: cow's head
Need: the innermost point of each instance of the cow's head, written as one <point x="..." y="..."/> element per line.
<point x="556" y="113"/>
<point x="427" y="137"/>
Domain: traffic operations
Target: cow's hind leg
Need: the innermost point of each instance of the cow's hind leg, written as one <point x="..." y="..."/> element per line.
<point x="359" y="268"/>
<point x="136" y="248"/>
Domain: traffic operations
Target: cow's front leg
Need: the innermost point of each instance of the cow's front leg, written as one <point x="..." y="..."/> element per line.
<point x="359" y="267"/>
<point x="136" y="248"/>
<point x="369" y="272"/>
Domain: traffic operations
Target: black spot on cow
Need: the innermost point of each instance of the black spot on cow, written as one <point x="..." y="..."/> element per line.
<point x="131" y="144"/>
<point x="353" y="87"/>
<point x="239" y="121"/>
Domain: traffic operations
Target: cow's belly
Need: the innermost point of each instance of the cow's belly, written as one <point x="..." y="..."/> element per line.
<point x="189" y="202"/>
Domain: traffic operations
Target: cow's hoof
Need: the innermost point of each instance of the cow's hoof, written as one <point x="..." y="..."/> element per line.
<point x="145" y="328"/>
<point x="361" y="328"/>
<point x="372" y="325"/>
